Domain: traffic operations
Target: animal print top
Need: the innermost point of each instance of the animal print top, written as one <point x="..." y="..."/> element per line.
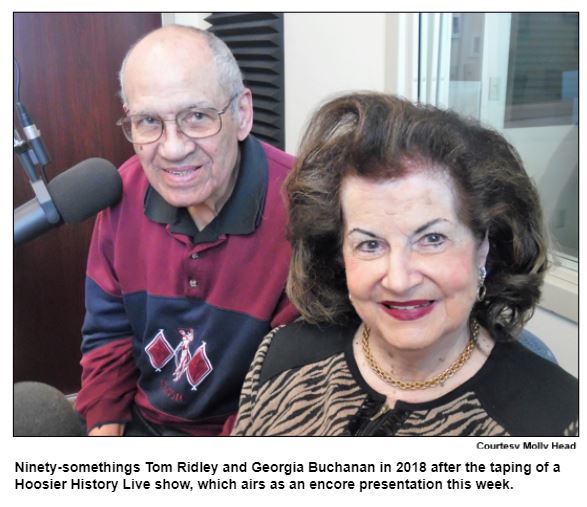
<point x="305" y="381"/>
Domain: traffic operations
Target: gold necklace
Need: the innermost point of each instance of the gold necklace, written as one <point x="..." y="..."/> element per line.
<point x="410" y="385"/>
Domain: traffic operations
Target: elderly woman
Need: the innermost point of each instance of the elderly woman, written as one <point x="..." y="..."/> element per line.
<point x="418" y="255"/>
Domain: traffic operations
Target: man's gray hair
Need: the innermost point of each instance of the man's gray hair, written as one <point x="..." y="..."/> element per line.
<point x="229" y="74"/>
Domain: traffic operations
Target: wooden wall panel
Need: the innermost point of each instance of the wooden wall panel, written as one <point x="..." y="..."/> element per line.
<point x="69" y="64"/>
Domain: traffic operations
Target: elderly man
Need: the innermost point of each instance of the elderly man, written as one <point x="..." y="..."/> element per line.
<point x="186" y="274"/>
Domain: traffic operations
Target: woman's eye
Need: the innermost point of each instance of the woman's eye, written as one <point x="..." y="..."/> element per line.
<point x="368" y="246"/>
<point x="433" y="239"/>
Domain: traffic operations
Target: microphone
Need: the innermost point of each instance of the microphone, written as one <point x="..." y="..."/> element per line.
<point x="77" y="194"/>
<point x="43" y="411"/>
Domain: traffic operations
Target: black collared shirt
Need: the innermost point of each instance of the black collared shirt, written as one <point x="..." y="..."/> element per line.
<point x="242" y="212"/>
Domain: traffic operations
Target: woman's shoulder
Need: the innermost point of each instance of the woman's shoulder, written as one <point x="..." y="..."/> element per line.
<point x="300" y="343"/>
<point x="516" y="359"/>
<point x="532" y="395"/>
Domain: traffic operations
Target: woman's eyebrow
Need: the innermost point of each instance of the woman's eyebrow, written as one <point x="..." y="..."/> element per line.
<point x="362" y="231"/>
<point x="422" y="228"/>
<point x="417" y="231"/>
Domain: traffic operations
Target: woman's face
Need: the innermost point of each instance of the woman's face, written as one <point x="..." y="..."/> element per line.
<point x="412" y="266"/>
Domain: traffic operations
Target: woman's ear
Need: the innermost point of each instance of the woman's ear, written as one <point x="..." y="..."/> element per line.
<point x="483" y="251"/>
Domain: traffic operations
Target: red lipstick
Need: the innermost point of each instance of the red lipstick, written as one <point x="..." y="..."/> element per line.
<point x="408" y="310"/>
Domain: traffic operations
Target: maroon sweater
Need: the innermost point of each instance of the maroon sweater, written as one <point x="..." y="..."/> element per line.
<point x="175" y="315"/>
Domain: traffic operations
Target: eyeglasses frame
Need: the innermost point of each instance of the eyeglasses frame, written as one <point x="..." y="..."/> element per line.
<point x="163" y="122"/>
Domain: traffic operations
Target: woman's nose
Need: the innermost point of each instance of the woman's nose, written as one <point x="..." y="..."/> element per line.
<point x="402" y="274"/>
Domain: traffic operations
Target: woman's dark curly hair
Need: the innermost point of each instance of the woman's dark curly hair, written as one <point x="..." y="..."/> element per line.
<point x="379" y="136"/>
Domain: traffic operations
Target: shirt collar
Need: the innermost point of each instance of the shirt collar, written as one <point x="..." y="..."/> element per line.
<point x="241" y="214"/>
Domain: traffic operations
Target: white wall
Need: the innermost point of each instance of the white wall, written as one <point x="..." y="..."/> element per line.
<point x="185" y="18"/>
<point x="325" y="55"/>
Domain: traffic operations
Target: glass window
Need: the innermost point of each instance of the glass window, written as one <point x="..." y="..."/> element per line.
<point x="543" y="70"/>
<point x="519" y="74"/>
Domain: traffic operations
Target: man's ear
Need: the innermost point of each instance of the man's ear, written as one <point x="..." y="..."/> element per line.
<point x="244" y="114"/>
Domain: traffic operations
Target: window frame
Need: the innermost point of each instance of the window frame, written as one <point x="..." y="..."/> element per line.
<point x="560" y="292"/>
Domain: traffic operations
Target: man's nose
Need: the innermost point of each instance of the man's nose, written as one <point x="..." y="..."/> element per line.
<point x="174" y="144"/>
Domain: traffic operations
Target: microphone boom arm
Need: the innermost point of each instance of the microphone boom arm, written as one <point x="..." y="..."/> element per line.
<point x="38" y="185"/>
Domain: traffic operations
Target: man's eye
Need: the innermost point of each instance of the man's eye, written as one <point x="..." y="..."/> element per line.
<point x="196" y="116"/>
<point x="146" y="121"/>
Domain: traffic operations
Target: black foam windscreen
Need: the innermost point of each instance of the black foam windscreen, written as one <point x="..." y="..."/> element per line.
<point x="42" y="410"/>
<point x="85" y="189"/>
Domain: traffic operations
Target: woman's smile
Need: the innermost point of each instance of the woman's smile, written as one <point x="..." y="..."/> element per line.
<point x="408" y="310"/>
<point x="412" y="266"/>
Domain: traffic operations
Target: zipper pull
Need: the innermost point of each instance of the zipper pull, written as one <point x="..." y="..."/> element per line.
<point x="384" y="408"/>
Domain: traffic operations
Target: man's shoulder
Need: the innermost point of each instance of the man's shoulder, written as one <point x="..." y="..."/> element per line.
<point x="131" y="169"/>
<point x="279" y="163"/>
<point x="134" y="186"/>
<point x="276" y="158"/>
<point x="134" y="181"/>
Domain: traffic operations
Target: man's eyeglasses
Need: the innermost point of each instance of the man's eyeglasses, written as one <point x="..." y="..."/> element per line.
<point x="194" y="122"/>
